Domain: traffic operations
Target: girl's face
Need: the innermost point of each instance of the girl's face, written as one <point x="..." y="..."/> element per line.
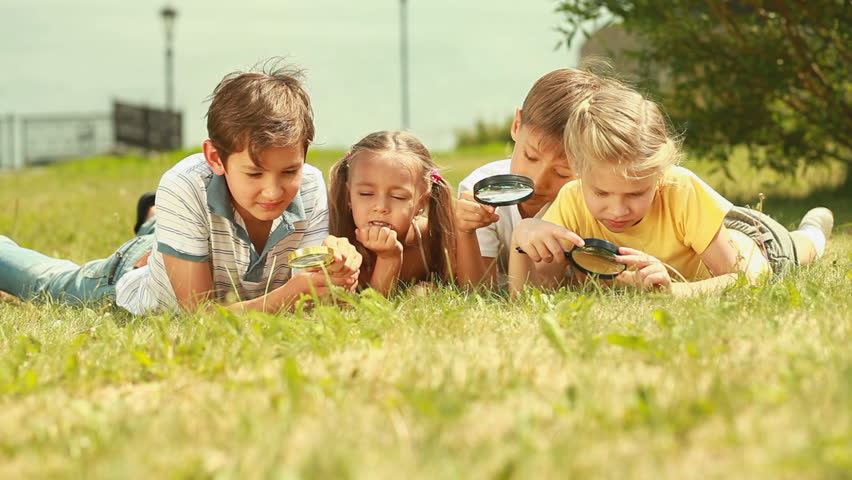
<point x="384" y="191"/>
<point x="616" y="201"/>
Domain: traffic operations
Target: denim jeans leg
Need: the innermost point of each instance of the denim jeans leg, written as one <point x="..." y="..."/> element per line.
<point x="28" y="274"/>
<point x="147" y="228"/>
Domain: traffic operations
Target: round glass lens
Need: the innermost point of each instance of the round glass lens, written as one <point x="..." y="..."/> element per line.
<point x="504" y="193"/>
<point x="502" y="190"/>
<point x="597" y="260"/>
<point x="311" y="257"/>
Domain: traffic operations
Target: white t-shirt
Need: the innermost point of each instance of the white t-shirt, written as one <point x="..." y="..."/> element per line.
<point x="495" y="239"/>
<point x="196" y="221"/>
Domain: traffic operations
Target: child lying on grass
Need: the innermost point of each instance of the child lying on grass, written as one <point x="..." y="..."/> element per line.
<point x="663" y="216"/>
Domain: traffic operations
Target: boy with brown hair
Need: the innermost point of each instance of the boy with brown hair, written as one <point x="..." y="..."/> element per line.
<point x="484" y="233"/>
<point x="226" y="218"/>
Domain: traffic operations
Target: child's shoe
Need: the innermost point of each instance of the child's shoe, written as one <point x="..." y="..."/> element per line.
<point x="819" y="218"/>
<point x="817" y="225"/>
<point x="146" y="201"/>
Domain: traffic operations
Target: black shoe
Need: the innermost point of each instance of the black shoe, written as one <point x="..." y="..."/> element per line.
<point x="146" y="201"/>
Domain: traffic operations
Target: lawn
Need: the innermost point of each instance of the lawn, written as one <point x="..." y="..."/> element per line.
<point x="753" y="383"/>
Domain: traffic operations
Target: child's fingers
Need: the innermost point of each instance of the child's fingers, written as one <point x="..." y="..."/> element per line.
<point x="467" y="196"/>
<point x="638" y="261"/>
<point x="536" y="251"/>
<point x="570" y="236"/>
<point x="656" y="278"/>
<point x="353" y="259"/>
<point x="390" y="239"/>
<point x="627" y="277"/>
<point x="346" y="257"/>
<point x="475" y="213"/>
<point x="318" y="279"/>
<point x="630" y="251"/>
<point x="554" y="251"/>
<point x="652" y="276"/>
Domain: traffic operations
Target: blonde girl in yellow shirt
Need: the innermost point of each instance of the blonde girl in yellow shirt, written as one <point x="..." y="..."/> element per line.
<point x="665" y="219"/>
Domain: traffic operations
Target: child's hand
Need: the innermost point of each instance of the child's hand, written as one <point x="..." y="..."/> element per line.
<point x="315" y="280"/>
<point x="544" y="241"/>
<point x="471" y="215"/>
<point x="648" y="272"/>
<point x="347" y="260"/>
<point x="381" y="240"/>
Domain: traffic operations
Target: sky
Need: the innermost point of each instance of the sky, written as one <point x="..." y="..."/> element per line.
<point x="469" y="60"/>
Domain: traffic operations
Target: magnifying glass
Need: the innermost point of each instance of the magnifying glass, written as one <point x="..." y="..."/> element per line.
<point x="501" y="190"/>
<point x="596" y="258"/>
<point x="310" y="257"/>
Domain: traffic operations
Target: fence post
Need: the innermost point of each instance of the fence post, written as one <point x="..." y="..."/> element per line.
<point x="7" y="142"/>
<point x="15" y="159"/>
<point x="24" y="150"/>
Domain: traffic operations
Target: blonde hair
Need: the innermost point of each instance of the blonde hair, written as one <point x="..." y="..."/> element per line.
<point x="413" y="153"/>
<point x="555" y="96"/>
<point x="619" y="128"/>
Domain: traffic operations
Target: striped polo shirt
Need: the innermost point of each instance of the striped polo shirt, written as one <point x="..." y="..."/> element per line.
<point x="197" y="222"/>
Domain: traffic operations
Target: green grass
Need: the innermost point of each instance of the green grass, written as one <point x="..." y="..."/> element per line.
<point x="753" y="383"/>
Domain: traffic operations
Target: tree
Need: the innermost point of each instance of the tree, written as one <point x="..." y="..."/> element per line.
<point x="773" y="75"/>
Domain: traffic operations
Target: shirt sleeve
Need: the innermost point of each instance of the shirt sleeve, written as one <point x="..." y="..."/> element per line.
<point x="703" y="213"/>
<point x="183" y="228"/>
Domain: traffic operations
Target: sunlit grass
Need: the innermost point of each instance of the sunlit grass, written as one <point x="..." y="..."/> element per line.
<point x="753" y="383"/>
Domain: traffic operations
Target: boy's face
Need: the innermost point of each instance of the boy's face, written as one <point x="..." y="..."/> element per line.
<point x="384" y="192"/>
<point x="260" y="193"/>
<point x="616" y="201"/>
<point x="543" y="160"/>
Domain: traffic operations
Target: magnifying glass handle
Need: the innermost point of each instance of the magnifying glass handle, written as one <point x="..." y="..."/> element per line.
<point x="520" y="250"/>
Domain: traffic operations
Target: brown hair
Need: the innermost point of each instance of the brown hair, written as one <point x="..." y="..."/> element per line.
<point x="255" y="111"/>
<point x="620" y="128"/>
<point x="553" y="98"/>
<point x="440" y="208"/>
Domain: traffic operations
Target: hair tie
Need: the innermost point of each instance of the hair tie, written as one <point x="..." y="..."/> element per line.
<point x="435" y="176"/>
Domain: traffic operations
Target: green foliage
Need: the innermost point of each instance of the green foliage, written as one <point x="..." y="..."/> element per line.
<point x="775" y="76"/>
<point x="435" y="383"/>
<point x="484" y="133"/>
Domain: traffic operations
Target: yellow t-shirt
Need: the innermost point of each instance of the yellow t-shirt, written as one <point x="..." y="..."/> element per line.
<point x="683" y="218"/>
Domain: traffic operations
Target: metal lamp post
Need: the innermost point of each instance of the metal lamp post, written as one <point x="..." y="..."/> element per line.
<point x="169" y="15"/>
<point x="403" y="59"/>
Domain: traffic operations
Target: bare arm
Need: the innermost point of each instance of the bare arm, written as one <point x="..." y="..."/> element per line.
<point x="192" y="282"/>
<point x="724" y="257"/>
<point x="386" y="274"/>
<point x="543" y="261"/>
<point x="471" y="267"/>
<point x="383" y="242"/>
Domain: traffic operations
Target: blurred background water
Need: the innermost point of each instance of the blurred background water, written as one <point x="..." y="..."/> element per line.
<point x="469" y="60"/>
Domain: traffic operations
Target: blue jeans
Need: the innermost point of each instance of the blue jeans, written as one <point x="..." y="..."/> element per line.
<point x="29" y="275"/>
